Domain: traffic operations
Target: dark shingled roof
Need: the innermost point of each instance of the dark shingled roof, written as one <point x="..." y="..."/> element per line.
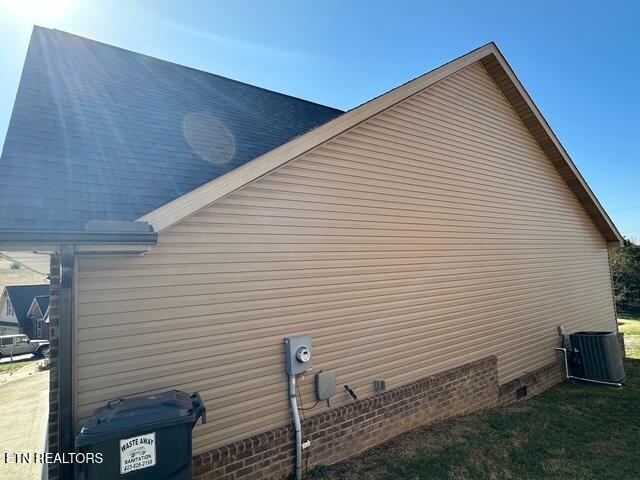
<point x="98" y="132"/>
<point x="22" y="297"/>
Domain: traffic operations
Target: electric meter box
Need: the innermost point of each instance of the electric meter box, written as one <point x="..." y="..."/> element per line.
<point x="297" y="354"/>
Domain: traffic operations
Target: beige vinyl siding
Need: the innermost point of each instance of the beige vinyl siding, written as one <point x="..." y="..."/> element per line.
<point x="433" y="234"/>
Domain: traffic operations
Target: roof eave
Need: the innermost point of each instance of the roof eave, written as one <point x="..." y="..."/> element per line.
<point x="503" y="75"/>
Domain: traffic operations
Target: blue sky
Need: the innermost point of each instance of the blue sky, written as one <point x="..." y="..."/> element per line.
<point x="577" y="59"/>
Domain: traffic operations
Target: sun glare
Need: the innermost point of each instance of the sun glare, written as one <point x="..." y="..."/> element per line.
<point x="36" y="10"/>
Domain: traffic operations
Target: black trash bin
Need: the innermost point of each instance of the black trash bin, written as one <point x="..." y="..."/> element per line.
<point x="145" y="437"/>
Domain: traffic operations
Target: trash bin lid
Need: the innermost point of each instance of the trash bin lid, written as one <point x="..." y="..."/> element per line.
<point x="126" y="414"/>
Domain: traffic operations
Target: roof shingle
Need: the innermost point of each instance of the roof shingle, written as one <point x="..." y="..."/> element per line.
<point x="98" y="132"/>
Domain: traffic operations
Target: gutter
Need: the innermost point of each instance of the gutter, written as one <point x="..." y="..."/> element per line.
<point x="51" y="237"/>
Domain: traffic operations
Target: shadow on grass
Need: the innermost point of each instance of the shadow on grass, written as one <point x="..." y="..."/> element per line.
<point x="574" y="430"/>
<point x="629" y="314"/>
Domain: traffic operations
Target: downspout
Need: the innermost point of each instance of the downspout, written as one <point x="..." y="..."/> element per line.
<point x="296" y="423"/>
<point x="65" y="359"/>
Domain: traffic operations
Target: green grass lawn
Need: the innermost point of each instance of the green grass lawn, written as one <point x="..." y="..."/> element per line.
<point x="629" y="324"/>
<point x="573" y="431"/>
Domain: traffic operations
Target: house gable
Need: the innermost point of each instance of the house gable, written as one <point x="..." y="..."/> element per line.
<point x="22" y="298"/>
<point x="432" y="234"/>
<point x="7" y="315"/>
<point x="497" y="68"/>
<point x="39" y="309"/>
<point x="8" y="308"/>
<point x="34" y="310"/>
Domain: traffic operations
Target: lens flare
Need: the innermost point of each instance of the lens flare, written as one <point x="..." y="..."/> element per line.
<point x="209" y="138"/>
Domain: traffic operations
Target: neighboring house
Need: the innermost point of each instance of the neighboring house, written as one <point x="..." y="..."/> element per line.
<point x="37" y="316"/>
<point x="16" y="305"/>
<point x="46" y="323"/>
<point x="434" y="237"/>
<point x="9" y="324"/>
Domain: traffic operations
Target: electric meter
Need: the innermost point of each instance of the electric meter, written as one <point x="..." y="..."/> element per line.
<point x="303" y="354"/>
<point x="298" y="354"/>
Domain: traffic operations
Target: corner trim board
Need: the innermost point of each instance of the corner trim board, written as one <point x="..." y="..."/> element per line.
<point x="65" y="358"/>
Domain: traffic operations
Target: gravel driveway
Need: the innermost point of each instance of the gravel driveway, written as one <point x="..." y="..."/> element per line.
<point x="23" y="423"/>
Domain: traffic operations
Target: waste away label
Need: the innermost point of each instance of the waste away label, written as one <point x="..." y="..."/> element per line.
<point x="137" y="453"/>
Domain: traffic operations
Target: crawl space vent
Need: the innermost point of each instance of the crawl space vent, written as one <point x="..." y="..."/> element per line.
<point x="521" y="393"/>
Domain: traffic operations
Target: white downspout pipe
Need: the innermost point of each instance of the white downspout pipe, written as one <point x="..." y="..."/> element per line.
<point x="566" y="369"/>
<point x="296" y="423"/>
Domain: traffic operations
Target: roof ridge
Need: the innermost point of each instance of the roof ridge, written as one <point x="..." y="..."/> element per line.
<point x="58" y="31"/>
<point x="416" y="77"/>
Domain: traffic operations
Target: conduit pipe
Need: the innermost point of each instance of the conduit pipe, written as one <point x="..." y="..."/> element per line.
<point x="566" y="369"/>
<point x="296" y="423"/>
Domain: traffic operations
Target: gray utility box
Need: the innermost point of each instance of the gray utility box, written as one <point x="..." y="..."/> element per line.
<point x="325" y="385"/>
<point x="600" y="355"/>
<point x="297" y="354"/>
<point x="139" y="438"/>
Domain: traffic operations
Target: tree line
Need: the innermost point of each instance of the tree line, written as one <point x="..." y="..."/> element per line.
<point x="625" y="268"/>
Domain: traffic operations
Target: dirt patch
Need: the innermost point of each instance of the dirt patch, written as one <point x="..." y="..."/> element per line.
<point x="602" y="448"/>
<point x="17" y="276"/>
<point x="459" y="473"/>
<point x="26" y="369"/>
<point x="568" y="409"/>
<point x="632" y="346"/>
<point x="558" y="466"/>
<point x="518" y="408"/>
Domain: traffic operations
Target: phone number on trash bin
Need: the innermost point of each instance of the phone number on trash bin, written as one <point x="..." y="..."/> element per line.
<point x="129" y="465"/>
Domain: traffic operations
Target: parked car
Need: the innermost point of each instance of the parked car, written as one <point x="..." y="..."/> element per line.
<point x="22" y="345"/>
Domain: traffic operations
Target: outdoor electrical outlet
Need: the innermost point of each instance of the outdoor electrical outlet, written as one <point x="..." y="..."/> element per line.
<point x="379" y="384"/>
<point x="561" y="329"/>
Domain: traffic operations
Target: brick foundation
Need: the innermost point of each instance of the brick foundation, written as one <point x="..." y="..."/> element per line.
<point x="535" y="382"/>
<point x="344" y="431"/>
